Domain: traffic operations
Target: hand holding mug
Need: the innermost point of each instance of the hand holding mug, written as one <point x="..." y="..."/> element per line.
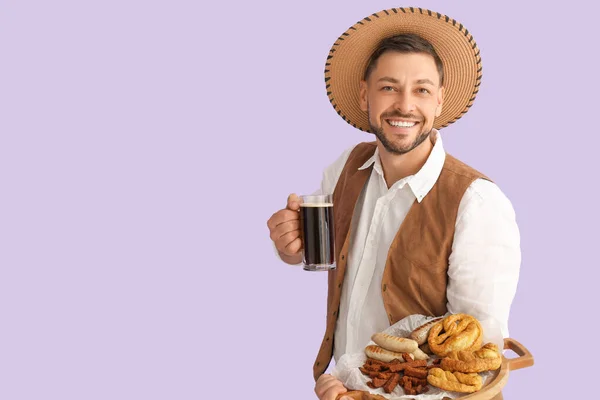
<point x="284" y="227"/>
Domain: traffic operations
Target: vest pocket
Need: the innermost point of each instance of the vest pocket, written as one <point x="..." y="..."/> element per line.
<point x="421" y="287"/>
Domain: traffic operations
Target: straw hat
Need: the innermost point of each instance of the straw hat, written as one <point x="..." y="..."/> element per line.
<point x="349" y="55"/>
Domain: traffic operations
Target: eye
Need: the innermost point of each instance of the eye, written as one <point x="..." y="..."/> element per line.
<point x="423" y="91"/>
<point x="387" y="88"/>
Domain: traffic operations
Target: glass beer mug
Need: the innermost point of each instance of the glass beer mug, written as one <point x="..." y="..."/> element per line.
<point x="318" y="237"/>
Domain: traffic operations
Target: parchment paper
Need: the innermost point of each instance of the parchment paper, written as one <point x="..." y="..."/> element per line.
<point x="346" y="369"/>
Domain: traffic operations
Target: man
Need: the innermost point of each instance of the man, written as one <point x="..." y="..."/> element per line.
<point x="417" y="231"/>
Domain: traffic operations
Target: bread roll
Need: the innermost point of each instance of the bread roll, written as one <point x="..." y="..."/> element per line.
<point x="377" y="353"/>
<point x="395" y="343"/>
<point x="419" y="354"/>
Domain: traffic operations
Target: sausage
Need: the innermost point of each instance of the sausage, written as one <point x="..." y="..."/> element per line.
<point x="425" y="348"/>
<point x="422" y="332"/>
<point x="394" y="343"/>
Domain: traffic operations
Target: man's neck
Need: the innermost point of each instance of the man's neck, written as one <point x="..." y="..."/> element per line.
<point x="398" y="166"/>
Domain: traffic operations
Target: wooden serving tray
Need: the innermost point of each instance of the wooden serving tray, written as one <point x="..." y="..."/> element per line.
<point x="493" y="386"/>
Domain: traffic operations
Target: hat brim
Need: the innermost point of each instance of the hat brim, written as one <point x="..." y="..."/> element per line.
<point x="452" y="42"/>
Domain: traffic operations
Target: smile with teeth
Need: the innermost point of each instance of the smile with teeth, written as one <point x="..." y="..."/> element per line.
<point x="402" y="124"/>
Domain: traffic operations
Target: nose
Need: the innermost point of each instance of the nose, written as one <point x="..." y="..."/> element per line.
<point x="404" y="103"/>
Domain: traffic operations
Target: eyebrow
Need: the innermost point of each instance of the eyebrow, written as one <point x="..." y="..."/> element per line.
<point x="422" y="81"/>
<point x="393" y="80"/>
<point x="387" y="79"/>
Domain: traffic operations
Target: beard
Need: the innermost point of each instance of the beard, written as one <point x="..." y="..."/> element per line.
<point x="395" y="148"/>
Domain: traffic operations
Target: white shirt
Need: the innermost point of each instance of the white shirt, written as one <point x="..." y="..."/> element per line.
<point x="483" y="266"/>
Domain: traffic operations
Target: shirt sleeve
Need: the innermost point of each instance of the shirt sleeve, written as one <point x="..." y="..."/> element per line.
<point x="332" y="173"/>
<point x="484" y="264"/>
<point x="329" y="180"/>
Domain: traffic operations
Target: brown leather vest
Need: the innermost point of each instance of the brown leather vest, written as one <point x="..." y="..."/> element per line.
<point x="415" y="275"/>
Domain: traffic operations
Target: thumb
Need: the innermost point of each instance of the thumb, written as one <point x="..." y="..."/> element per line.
<point x="293" y="202"/>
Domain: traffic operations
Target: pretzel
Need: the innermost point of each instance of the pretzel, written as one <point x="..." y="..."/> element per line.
<point x="460" y="332"/>
<point x="488" y="358"/>
<point x="454" y="381"/>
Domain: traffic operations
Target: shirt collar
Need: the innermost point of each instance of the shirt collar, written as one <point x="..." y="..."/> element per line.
<point x="421" y="182"/>
<point x="373" y="160"/>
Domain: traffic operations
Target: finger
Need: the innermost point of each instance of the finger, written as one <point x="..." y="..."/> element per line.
<point x="289" y="244"/>
<point x="283" y="216"/>
<point x="284" y="228"/>
<point x="331" y="389"/>
<point x="334" y="391"/>
<point x="294" y="247"/>
<point x="293" y="202"/>
<point x="324" y="378"/>
<point x="321" y="385"/>
<point x="286" y="239"/>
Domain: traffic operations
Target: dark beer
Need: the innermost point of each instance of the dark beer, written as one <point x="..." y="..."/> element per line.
<point x="318" y="236"/>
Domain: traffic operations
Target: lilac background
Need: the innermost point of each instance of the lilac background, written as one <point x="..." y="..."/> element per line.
<point x="144" y="145"/>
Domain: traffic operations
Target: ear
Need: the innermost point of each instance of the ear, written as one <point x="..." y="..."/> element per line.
<point x="363" y="96"/>
<point x="440" y="101"/>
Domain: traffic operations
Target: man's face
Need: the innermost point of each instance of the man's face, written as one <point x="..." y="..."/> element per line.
<point x="402" y="96"/>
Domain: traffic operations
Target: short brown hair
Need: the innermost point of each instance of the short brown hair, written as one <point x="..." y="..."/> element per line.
<point x="405" y="43"/>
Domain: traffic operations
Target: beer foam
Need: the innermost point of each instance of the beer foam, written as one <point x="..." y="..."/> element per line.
<point x="316" y="205"/>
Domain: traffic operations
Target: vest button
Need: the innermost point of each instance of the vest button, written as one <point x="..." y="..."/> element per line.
<point x="384" y="287"/>
<point x="339" y="285"/>
<point x="327" y="340"/>
<point x="343" y="256"/>
<point x="317" y="364"/>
